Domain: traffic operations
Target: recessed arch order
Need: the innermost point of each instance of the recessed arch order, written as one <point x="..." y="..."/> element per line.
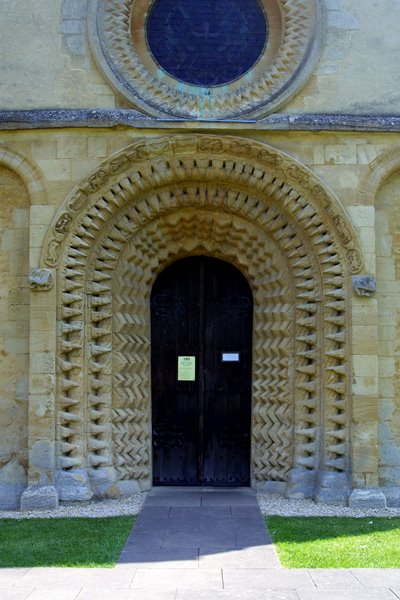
<point x="231" y="198"/>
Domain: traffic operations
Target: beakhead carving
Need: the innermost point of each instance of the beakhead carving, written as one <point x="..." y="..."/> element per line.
<point x="213" y="195"/>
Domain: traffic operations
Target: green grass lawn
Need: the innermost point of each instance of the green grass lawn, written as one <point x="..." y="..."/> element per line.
<point x="63" y="542"/>
<point x="336" y="542"/>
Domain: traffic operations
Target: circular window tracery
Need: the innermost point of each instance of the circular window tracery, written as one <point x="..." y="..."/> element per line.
<point x="206" y="43"/>
<point x="272" y="72"/>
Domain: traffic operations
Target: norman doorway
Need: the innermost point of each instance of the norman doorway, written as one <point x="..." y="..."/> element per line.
<point x="201" y="322"/>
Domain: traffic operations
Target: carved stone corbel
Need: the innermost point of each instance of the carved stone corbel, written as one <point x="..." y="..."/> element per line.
<point x="364" y="285"/>
<point x="41" y="280"/>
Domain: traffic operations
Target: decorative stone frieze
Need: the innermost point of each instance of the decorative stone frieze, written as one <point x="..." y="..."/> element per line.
<point x="237" y="200"/>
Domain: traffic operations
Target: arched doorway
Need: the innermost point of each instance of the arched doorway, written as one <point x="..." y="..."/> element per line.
<point x="236" y="200"/>
<point x="201" y="332"/>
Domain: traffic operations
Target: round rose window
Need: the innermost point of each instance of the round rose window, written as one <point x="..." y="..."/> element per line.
<point x="206" y="42"/>
<point x="206" y="59"/>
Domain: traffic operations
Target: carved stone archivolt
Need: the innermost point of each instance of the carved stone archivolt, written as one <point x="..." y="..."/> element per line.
<point x="235" y="199"/>
<point x="117" y="31"/>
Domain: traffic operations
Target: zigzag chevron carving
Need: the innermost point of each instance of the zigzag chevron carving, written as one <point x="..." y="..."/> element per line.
<point x="288" y="250"/>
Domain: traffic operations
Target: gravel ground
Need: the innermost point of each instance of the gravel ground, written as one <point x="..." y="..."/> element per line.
<point x="129" y="505"/>
<point x="273" y="504"/>
<point x="270" y="504"/>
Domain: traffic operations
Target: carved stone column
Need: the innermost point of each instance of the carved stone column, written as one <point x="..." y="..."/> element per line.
<point x="41" y="493"/>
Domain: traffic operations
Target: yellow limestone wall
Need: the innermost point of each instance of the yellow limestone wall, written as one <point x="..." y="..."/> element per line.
<point x="345" y="162"/>
<point x="46" y="60"/>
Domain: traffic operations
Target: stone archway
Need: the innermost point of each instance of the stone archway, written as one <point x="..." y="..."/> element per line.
<point x="230" y="198"/>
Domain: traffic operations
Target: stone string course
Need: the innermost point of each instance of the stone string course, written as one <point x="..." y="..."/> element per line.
<point x="107" y="117"/>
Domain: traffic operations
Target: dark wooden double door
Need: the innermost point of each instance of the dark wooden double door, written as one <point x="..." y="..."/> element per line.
<point x="201" y="319"/>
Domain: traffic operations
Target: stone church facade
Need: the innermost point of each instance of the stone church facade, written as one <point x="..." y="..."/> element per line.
<point x="117" y="160"/>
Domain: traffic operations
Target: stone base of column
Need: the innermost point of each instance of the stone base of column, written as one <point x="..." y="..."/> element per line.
<point x="73" y="486"/>
<point x="39" y="497"/>
<point x="301" y="484"/>
<point x="333" y="488"/>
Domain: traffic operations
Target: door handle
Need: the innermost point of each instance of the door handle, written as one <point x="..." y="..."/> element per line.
<point x="219" y="387"/>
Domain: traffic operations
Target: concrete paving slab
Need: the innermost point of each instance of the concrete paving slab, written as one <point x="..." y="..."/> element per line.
<point x="218" y="539"/>
<point x="9" y="576"/>
<point x="154" y="512"/>
<point x="124" y="594"/>
<point x="13" y="594"/>
<point x="246" y="512"/>
<point x="186" y="512"/>
<point x="174" y="500"/>
<point x="216" y="512"/>
<point x="229" y="498"/>
<point x="203" y="512"/>
<point x="161" y="559"/>
<point x="251" y="538"/>
<point x="149" y="524"/>
<point x="181" y="539"/>
<point x="378" y="578"/>
<point x="172" y="579"/>
<point x="188" y="525"/>
<point x="53" y="593"/>
<point x="261" y="558"/>
<point x="237" y="595"/>
<point x="335" y="578"/>
<point x="267" y="579"/>
<point x="345" y="594"/>
<point x="64" y="577"/>
<point x="251" y="524"/>
<point x="148" y="539"/>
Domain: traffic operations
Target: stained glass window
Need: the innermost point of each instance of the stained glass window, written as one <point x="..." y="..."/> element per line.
<point x="206" y="42"/>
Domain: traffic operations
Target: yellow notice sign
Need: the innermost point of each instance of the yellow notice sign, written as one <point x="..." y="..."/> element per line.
<point x="186" y="368"/>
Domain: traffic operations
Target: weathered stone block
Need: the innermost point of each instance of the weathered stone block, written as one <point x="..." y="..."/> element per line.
<point x="42" y="384"/>
<point x="367" y="498"/>
<point x="12" y="484"/>
<point x="38" y="497"/>
<point x="42" y="214"/>
<point x="72" y="148"/>
<point x="301" y="484"/>
<point x="332" y="488"/>
<point x="97" y="147"/>
<point x="341" y="154"/>
<point x="273" y="487"/>
<point x="392" y="495"/>
<point x="362" y="216"/>
<point x="42" y="456"/>
<point x="73" y="486"/>
<point x="103" y="482"/>
<point x="365" y="339"/>
<point x="365" y="458"/>
<point x="365" y="365"/>
<point x="56" y="169"/>
<point x="43" y="362"/>
<point x="332" y="497"/>
<point x="128" y="487"/>
<point x="365" y="408"/>
<point x="365" y="385"/>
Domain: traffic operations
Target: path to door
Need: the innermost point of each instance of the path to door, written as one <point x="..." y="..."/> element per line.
<point x="199" y="545"/>
<point x="192" y="528"/>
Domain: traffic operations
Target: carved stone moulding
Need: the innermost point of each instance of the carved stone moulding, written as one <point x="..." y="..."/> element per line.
<point x="117" y="33"/>
<point x="238" y="200"/>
